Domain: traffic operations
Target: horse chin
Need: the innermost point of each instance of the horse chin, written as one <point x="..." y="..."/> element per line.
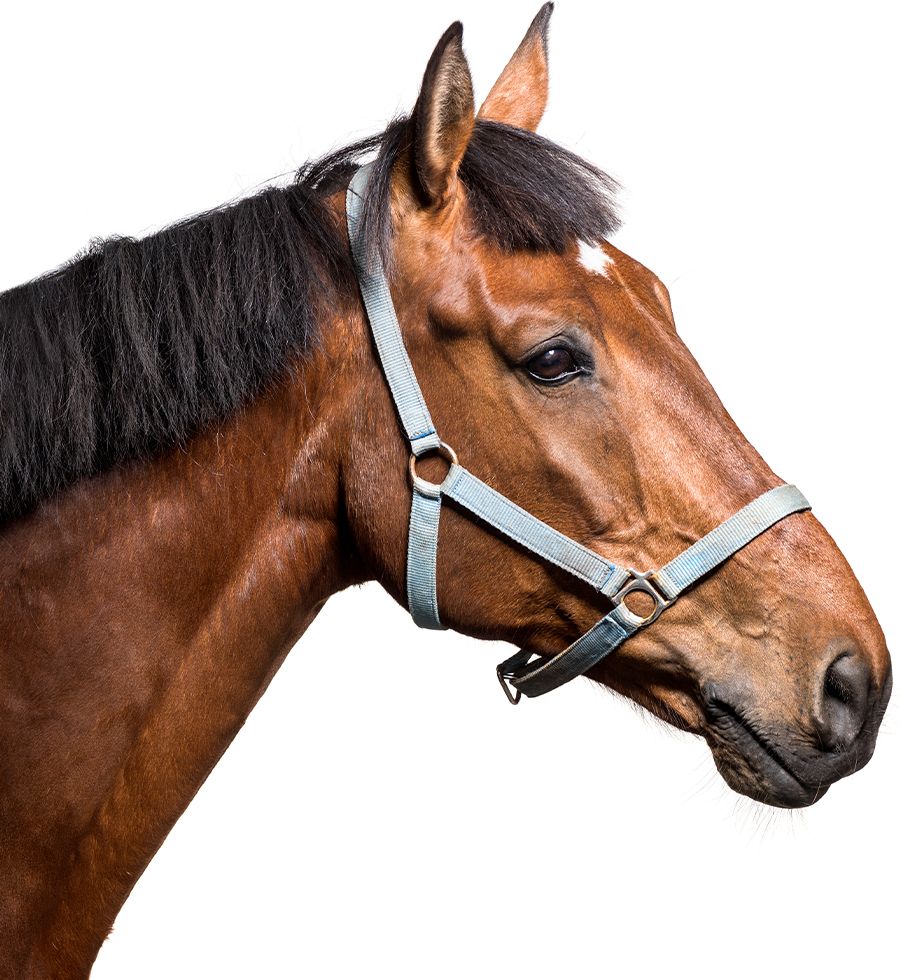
<point x="754" y="773"/>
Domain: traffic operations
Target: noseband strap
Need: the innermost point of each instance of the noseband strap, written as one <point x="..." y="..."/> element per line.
<point x="522" y="673"/>
<point x="534" y="677"/>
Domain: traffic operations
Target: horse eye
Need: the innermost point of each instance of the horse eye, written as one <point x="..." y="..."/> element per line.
<point x="555" y="364"/>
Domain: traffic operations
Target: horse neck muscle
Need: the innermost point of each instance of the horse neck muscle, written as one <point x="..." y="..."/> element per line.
<point x="142" y="614"/>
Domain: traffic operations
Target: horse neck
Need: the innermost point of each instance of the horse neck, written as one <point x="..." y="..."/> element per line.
<point x="129" y="603"/>
<point x="247" y="514"/>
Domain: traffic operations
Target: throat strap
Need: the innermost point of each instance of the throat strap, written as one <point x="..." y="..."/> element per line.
<point x="522" y="674"/>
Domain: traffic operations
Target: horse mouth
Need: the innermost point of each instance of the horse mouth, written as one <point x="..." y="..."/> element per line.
<point x="751" y="764"/>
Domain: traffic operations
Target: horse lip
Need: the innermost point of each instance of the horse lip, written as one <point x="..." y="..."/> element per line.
<point x="733" y="729"/>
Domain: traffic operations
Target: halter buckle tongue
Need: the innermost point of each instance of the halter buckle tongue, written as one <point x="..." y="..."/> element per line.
<point x="642" y="582"/>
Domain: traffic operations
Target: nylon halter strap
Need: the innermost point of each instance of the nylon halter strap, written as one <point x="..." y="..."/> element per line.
<point x="523" y="673"/>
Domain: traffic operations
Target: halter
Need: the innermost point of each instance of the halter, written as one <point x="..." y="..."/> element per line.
<point x="526" y="673"/>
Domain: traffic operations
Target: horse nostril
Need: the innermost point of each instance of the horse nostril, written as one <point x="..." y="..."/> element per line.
<point x="844" y="700"/>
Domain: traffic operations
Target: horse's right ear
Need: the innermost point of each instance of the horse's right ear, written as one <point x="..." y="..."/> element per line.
<point x="443" y="118"/>
<point x="519" y="95"/>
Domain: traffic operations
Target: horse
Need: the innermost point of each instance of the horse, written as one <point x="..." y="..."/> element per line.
<point x="201" y="444"/>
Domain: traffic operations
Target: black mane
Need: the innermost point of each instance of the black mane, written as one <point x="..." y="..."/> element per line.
<point x="136" y="345"/>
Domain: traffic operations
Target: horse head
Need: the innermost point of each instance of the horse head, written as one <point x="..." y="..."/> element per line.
<point x="551" y="363"/>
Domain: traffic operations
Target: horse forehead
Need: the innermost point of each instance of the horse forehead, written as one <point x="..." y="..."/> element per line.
<point x="477" y="279"/>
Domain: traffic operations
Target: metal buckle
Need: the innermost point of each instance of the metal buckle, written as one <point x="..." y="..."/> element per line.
<point x="642" y="582"/>
<point x="425" y="487"/>
<point x="506" y="671"/>
<point x="513" y="698"/>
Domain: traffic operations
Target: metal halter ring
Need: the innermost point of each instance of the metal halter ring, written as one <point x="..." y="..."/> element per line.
<point x="642" y="582"/>
<point x="424" y="487"/>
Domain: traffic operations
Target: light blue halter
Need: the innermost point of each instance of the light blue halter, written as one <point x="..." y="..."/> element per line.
<point x="528" y="676"/>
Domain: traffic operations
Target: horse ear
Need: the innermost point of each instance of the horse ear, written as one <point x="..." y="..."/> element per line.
<point x="519" y="95"/>
<point x="443" y="117"/>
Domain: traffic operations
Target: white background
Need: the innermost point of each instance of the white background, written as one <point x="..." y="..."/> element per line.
<point x="385" y="813"/>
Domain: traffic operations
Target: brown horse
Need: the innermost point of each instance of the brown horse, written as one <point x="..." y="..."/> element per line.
<point x="200" y="448"/>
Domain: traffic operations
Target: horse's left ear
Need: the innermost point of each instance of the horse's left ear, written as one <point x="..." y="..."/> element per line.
<point x="443" y="117"/>
<point x="519" y="95"/>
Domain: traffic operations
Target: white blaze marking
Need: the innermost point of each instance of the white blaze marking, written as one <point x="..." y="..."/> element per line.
<point x="593" y="258"/>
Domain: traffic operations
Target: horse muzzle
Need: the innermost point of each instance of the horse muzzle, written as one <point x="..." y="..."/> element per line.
<point x="793" y="765"/>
